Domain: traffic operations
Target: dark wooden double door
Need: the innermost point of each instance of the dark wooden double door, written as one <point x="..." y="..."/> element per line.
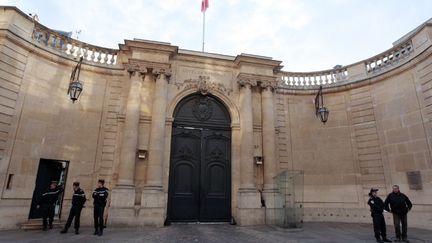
<point x="200" y="169"/>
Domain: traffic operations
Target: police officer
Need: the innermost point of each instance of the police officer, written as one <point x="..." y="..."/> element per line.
<point x="47" y="203"/>
<point x="399" y="206"/>
<point x="100" y="196"/>
<point x="78" y="200"/>
<point x="377" y="209"/>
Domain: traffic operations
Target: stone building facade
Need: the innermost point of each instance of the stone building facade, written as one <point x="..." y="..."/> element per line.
<point x="177" y="134"/>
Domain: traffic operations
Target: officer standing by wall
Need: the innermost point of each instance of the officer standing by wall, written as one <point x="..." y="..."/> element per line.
<point x="100" y="196"/>
<point x="399" y="206"/>
<point x="78" y="200"/>
<point x="377" y="209"/>
<point x="48" y="202"/>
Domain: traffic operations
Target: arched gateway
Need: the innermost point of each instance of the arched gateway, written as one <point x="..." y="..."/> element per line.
<point x="200" y="164"/>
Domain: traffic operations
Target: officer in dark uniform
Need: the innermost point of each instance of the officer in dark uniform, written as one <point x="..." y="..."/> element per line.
<point x="377" y="209"/>
<point x="100" y="196"/>
<point x="78" y="200"/>
<point x="399" y="207"/>
<point x="47" y="203"/>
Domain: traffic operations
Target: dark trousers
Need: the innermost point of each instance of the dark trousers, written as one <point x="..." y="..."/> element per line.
<point x="47" y="214"/>
<point x="399" y="219"/>
<point x="75" y="212"/>
<point x="98" y="214"/>
<point x="379" y="226"/>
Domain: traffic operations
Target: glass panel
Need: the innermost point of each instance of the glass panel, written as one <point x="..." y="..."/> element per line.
<point x="289" y="199"/>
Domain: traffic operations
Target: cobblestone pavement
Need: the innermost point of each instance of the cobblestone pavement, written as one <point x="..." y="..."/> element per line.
<point x="312" y="232"/>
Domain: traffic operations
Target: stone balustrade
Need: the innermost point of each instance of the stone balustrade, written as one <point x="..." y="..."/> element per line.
<point x="314" y="79"/>
<point x="389" y="58"/>
<point x="341" y="75"/>
<point x="73" y="48"/>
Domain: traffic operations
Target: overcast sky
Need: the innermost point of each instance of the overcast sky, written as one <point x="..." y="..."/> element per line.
<point x="307" y="35"/>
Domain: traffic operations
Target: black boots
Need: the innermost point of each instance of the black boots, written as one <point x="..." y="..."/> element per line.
<point x="64" y="231"/>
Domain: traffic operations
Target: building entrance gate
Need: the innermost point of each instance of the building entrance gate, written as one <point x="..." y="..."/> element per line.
<point x="200" y="166"/>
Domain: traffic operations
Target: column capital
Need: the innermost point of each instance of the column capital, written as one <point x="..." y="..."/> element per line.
<point x="246" y="83"/>
<point x="246" y="80"/>
<point x="269" y="84"/>
<point x="149" y="68"/>
<point x="162" y="71"/>
<point x="136" y="70"/>
<point x="263" y="81"/>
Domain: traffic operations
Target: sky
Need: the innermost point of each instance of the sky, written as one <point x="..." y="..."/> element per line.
<point x="307" y="35"/>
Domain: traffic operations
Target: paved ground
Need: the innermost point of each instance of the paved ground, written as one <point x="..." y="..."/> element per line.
<point x="312" y="232"/>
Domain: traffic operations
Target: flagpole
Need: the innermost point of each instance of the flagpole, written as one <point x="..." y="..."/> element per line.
<point x="203" y="35"/>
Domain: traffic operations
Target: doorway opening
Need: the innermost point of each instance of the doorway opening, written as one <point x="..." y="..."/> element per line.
<point x="200" y="165"/>
<point x="48" y="170"/>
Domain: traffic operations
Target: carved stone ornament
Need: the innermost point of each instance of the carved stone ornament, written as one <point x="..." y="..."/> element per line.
<point x="272" y="84"/>
<point x="202" y="109"/>
<point x="245" y="81"/>
<point x="203" y="85"/>
<point x="148" y="67"/>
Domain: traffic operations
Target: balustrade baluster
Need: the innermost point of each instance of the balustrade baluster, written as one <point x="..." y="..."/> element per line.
<point x="99" y="56"/>
<point x="64" y="45"/>
<point x="106" y="58"/>
<point x="93" y="56"/>
<point x="85" y="53"/>
<point x="112" y="59"/>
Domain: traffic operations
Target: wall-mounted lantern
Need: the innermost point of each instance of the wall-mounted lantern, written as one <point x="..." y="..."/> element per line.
<point x="75" y="85"/>
<point x="320" y="110"/>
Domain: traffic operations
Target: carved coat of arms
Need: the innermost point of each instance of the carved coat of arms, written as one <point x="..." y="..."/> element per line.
<point x="202" y="109"/>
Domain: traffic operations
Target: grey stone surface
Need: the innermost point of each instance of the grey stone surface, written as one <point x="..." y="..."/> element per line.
<point x="312" y="232"/>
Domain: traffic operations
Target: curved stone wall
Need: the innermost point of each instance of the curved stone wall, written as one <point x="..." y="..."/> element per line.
<point x="38" y="121"/>
<point x="378" y="133"/>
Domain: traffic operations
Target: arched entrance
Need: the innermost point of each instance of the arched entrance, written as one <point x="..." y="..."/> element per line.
<point x="200" y="164"/>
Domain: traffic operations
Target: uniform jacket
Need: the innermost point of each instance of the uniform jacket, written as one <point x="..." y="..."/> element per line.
<point x="78" y="198"/>
<point x="50" y="196"/>
<point x="100" y="196"/>
<point x="399" y="203"/>
<point x="376" y="205"/>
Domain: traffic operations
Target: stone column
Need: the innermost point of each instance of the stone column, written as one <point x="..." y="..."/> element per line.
<point x="271" y="195"/>
<point x="249" y="200"/>
<point x="124" y="193"/>
<point x="268" y="136"/>
<point x="153" y="198"/>
<point x="246" y="145"/>
<point x="157" y="133"/>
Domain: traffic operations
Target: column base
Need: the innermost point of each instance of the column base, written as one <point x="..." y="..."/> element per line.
<point x="153" y="197"/>
<point x="249" y="210"/>
<point x="136" y="217"/>
<point x="123" y="196"/>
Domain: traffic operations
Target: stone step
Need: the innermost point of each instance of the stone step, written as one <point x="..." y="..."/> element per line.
<point x="36" y="224"/>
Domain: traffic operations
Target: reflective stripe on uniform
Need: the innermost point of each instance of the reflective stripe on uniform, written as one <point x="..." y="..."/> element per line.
<point x="46" y="193"/>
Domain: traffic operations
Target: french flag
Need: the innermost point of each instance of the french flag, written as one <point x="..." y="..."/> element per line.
<point x="204" y="5"/>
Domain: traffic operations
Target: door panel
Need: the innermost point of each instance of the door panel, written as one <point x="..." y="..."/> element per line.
<point x="215" y="176"/>
<point x="184" y="175"/>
